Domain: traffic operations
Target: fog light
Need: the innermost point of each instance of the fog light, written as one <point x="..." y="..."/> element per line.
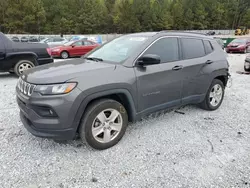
<point x="44" y="111"/>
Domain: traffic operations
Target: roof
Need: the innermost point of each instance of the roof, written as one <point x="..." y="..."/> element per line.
<point x="144" y="34"/>
<point x="171" y="33"/>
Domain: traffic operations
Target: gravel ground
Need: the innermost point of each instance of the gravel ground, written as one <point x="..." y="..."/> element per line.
<point x="195" y="149"/>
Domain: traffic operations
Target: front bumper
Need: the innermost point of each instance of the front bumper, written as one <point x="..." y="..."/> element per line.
<point x="235" y="49"/>
<point x="60" y="127"/>
<point x="56" y="54"/>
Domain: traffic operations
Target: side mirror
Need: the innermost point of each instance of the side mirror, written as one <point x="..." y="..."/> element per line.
<point x="149" y="59"/>
<point x="73" y="45"/>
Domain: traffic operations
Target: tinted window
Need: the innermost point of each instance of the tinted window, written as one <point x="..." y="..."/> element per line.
<point x="192" y="48"/>
<point x="166" y="48"/>
<point x="208" y="47"/>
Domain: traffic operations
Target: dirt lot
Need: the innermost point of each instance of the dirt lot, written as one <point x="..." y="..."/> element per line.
<point x="194" y="149"/>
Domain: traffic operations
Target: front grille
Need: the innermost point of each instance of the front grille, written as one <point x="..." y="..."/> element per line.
<point x="25" y="87"/>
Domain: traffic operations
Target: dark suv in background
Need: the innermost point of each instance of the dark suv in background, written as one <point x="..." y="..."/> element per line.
<point x="17" y="57"/>
<point x="121" y="81"/>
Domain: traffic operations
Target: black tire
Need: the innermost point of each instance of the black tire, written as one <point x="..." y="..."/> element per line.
<point x="90" y="116"/>
<point x="206" y="104"/>
<point x="27" y="63"/>
<point x="246" y="69"/>
<point x="247" y="49"/>
<point x="64" y="55"/>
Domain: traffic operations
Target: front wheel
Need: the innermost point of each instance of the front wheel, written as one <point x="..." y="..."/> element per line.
<point x="103" y="124"/>
<point x="64" y="55"/>
<point x="214" y="96"/>
<point x="247" y="66"/>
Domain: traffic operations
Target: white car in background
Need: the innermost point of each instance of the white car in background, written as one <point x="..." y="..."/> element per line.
<point x="54" y="41"/>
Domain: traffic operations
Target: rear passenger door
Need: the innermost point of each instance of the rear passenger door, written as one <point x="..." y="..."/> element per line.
<point x="159" y="86"/>
<point x="197" y="57"/>
<point x="87" y="46"/>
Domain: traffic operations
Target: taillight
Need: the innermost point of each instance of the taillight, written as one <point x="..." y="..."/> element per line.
<point x="48" y="50"/>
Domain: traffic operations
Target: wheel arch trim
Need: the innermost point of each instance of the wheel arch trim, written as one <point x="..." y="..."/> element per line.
<point x="102" y="94"/>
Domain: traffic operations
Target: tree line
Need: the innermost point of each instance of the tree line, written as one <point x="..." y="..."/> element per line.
<point x="120" y="16"/>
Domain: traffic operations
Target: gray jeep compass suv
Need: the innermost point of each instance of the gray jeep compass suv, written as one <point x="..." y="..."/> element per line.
<point x="120" y="82"/>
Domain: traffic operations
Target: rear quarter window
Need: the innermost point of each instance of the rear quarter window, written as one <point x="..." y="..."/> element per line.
<point x="192" y="48"/>
<point x="208" y="47"/>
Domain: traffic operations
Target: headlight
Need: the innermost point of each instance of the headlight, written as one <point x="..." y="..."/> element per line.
<point x="55" y="89"/>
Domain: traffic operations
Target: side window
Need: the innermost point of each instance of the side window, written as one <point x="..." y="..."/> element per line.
<point x="192" y="48"/>
<point x="58" y="39"/>
<point x="166" y="48"/>
<point x="87" y="43"/>
<point x="208" y="47"/>
<point x="78" y="43"/>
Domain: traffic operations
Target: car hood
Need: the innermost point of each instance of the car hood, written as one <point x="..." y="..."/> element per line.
<point x="63" y="71"/>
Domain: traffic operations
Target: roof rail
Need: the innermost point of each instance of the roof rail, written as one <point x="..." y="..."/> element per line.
<point x="183" y="31"/>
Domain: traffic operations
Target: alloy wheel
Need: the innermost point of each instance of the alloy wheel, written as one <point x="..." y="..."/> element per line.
<point x="216" y="95"/>
<point x="107" y="125"/>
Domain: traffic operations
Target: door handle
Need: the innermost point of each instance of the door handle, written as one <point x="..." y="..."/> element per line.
<point x="209" y="62"/>
<point x="176" y="68"/>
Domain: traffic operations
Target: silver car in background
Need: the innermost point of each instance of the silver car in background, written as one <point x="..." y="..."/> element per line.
<point x="54" y="41"/>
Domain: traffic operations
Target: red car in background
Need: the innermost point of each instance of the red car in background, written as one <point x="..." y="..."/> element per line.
<point x="239" y="45"/>
<point x="73" y="49"/>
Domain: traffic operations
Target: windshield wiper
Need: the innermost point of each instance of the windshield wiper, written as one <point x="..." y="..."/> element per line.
<point x="93" y="59"/>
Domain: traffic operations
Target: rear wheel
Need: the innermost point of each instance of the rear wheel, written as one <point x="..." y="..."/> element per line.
<point x="103" y="124"/>
<point x="247" y="50"/>
<point x="214" y="96"/>
<point x="64" y="55"/>
<point x="23" y="65"/>
<point x="247" y="67"/>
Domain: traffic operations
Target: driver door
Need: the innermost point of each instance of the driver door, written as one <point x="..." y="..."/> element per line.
<point x="159" y="86"/>
<point x="76" y="49"/>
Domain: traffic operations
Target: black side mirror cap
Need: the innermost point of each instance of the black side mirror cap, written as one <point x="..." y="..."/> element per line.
<point x="148" y="59"/>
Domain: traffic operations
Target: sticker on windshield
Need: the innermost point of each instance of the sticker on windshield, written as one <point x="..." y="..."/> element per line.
<point x="137" y="38"/>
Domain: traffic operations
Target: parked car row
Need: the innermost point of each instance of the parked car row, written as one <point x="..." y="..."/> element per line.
<point x="26" y="39"/>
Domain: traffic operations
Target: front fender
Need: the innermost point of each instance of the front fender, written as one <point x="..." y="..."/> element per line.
<point x="83" y="101"/>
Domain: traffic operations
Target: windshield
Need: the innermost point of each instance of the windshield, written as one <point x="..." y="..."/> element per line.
<point x="44" y="40"/>
<point x="119" y="49"/>
<point x="239" y="41"/>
